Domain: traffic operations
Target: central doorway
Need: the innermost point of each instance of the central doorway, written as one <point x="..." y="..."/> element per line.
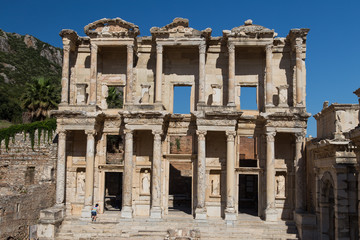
<point x="113" y="191"/>
<point x="248" y="194"/>
<point x="180" y="180"/>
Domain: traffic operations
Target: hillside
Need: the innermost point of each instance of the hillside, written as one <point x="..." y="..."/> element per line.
<point x="23" y="58"/>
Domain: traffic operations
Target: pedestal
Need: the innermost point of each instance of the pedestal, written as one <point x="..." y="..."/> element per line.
<point x="200" y="214"/>
<point x="50" y="221"/>
<point x="126" y="212"/>
<point x="271" y="215"/>
<point x="155" y="213"/>
<point x="86" y="213"/>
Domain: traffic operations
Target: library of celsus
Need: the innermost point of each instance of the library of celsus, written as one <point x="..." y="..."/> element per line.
<point x="240" y="148"/>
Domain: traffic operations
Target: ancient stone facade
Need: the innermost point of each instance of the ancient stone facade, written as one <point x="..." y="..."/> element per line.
<point x="142" y="159"/>
<point x="27" y="184"/>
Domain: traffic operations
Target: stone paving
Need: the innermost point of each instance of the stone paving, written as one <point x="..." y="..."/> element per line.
<point x="175" y="226"/>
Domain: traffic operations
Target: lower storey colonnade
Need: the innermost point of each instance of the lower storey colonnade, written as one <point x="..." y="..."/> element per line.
<point x="217" y="182"/>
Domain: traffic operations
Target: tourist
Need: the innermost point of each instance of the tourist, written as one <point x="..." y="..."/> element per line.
<point x="94" y="212"/>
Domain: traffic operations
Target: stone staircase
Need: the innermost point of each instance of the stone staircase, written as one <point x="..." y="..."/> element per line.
<point x="111" y="226"/>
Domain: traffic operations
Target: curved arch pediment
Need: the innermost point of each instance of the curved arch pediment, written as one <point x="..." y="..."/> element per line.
<point x="115" y="27"/>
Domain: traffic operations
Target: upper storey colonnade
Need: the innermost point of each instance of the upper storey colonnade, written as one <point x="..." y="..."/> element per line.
<point x="277" y="85"/>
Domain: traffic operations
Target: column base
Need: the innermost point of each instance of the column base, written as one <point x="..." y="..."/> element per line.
<point x="271" y="215"/>
<point x="230" y="214"/>
<point x="155" y="212"/>
<point x="231" y="104"/>
<point x="269" y="105"/>
<point x="126" y="212"/>
<point x="200" y="214"/>
<point x="86" y="213"/>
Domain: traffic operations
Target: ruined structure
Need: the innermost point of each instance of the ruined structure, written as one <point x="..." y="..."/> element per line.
<point x="135" y="155"/>
<point x="332" y="172"/>
<point x="27" y="184"/>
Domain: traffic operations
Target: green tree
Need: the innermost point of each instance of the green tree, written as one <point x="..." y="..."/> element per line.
<point x="39" y="97"/>
<point x="115" y="97"/>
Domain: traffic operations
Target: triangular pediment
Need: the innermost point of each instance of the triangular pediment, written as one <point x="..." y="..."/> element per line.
<point x="250" y="30"/>
<point x="115" y="28"/>
<point x="179" y="28"/>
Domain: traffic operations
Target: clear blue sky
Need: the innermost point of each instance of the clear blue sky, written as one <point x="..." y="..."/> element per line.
<point x="333" y="45"/>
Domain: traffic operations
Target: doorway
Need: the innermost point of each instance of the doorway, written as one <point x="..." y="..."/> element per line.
<point x="113" y="191"/>
<point x="180" y="180"/>
<point x="248" y="194"/>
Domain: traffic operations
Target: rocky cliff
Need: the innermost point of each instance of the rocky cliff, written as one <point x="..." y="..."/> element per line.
<point x="22" y="58"/>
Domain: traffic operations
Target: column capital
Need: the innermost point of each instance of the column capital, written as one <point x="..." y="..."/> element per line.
<point x="268" y="48"/>
<point x="202" y="48"/>
<point x="130" y="47"/>
<point x="66" y="47"/>
<point x="270" y="136"/>
<point x="157" y="132"/>
<point x="128" y="131"/>
<point x="230" y="135"/>
<point x="94" y="47"/>
<point x="300" y="137"/>
<point x="298" y="45"/>
<point x="90" y="132"/>
<point x="159" y="48"/>
<point x="201" y="134"/>
<point x="231" y="47"/>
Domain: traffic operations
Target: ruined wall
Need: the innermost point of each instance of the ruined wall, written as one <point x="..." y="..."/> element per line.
<point x="27" y="184"/>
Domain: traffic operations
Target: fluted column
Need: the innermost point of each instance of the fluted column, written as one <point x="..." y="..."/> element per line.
<point x="202" y="50"/>
<point x="299" y="173"/>
<point x="159" y="70"/>
<point x="129" y="74"/>
<point x="60" y="168"/>
<point x="89" y="173"/>
<point x="270" y="212"/>
<point x="200" y="211"/>
<point x="65" y="72"/>
<point x="93" y="74"/>
<point x="155" y="211"/>
<point x="230" y="213"/>
<point x="299" y="82"/>
<point x="231" y="85"/>
<point x="126" y="211"/>
<point x="269" y="82"/>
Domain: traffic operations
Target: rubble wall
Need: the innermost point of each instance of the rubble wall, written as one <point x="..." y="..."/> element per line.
<point x="27" y="183"/>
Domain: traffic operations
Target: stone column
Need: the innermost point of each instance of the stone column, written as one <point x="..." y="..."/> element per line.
<point x="270" y="212"/>
<point x="155" y="211"/>
<point x="230" y="213"/>
<point x="200" y="211"/>
<point x="65" y="72"/>
<point x="299" y="165"/>
<point x="60" y="169"/>
<point x="202" y="50"/>
<point x="269" y="82"/>
<point x="231" y="85"/>
<point x="89" y="174"/>
<point x="126" y="211"/>
<point x="93" y="74"/>
<point x="299" y="82"/>
<point x="129" y="74"/>
<point x="159" y="70"/>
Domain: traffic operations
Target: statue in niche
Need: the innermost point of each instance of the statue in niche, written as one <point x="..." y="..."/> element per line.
<point x="215" y="186"/>
<point x="145" y="183"/>
<point x="81" y="182"/>
<point x="280" y="186"/>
